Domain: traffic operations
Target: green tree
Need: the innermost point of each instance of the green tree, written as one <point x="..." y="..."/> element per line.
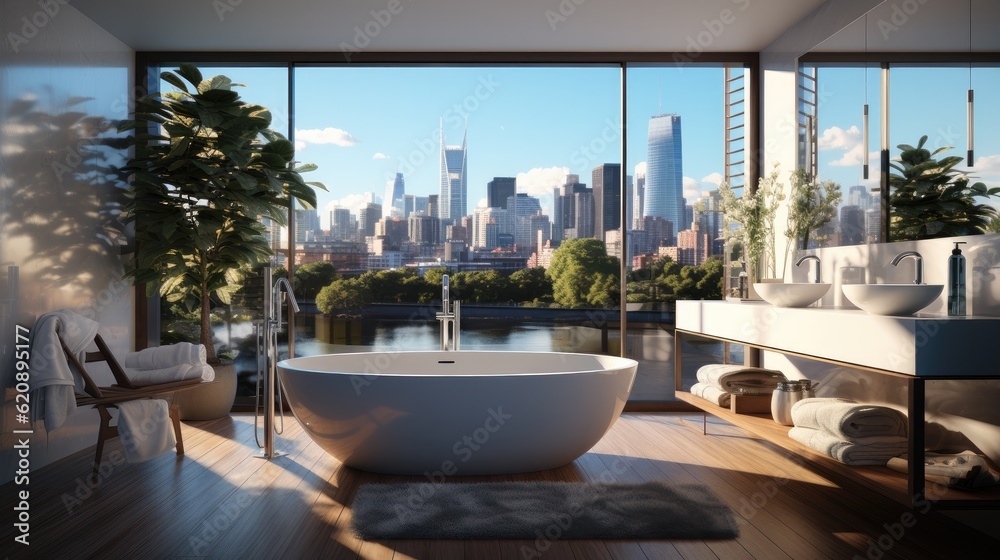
<point x="342" y="293"/>
<point x="386" y="286"/>
<point x="696" y="282"/>
<point x="577" y="265"/>
<point x="530" y="284"/>
<point x="433" y="278"/>
<point x="929" y="198"/>
<point x="310" y="278"/>
<point x="812" y="205"/>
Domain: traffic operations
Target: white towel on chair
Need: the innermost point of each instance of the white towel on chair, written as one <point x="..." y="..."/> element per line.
<point x="167" y="356"/>
<point x="180" y="372"/>
<point x="145" y="429"/>
<point x="53" y="384"/>
<point x="849" y="420"/>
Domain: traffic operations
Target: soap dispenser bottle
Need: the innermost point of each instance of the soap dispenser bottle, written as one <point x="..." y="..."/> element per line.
<point x="956" y="282"/>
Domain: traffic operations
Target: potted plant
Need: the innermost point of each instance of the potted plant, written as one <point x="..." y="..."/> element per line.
<point x="749" y="219"/>
<point x="929" y="198"/>
<point x="206" y="169"/>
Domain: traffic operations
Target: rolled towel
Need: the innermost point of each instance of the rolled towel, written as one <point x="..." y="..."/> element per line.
<point x="180" y="372"/>
<point x="740" y="379"/>
<point x="964" y="470"/>
<point x="167" y="356"/>
<point x="865" y="451"/>
<point x="711" y="393"/>
<point x="848" y="420"/>
<point x="145" y="429"/>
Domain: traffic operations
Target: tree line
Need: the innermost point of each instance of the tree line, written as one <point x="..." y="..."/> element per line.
<point x="581" y="274"/>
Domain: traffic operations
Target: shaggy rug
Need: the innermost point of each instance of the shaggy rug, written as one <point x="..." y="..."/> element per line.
<point x="529" y="510"/>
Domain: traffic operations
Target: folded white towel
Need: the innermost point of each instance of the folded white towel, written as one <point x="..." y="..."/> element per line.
<point x="736" y="378"/>
<point x="711" y="393"/>
<point x="848" y="420"/>
<point x="181" y="372"/>
<point x="145" y="429"/>
<point x="863" y="451"/>
<point x="53" y="383"/>
<point x="166" y="356"/>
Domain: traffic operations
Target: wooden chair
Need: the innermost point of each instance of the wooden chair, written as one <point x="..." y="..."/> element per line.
<point x="123" y="390"/>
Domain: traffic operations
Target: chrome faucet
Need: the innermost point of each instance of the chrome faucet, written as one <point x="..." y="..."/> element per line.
<point x="268" y="389"/>
<point x="819" y="269"/>
<point x="450" y="317"/>
<point x="918" y="264"/>
<point x="276" y="299"/>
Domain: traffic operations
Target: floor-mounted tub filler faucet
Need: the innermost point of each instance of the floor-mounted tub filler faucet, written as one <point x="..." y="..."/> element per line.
<point x="819" y="269"/>
<point x="267" y="371"/>
<point x="450" y="317"/>
<point x="918" y="264"/>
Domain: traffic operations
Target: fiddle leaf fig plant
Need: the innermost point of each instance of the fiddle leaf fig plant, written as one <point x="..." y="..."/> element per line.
<point x="929" y="198"/>
<point x="206" y="171"/>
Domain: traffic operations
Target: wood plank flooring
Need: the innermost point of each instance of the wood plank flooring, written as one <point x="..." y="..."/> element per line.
<point x="218" y="501"/>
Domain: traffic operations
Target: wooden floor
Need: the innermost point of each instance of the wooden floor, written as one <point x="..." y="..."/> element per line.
<point x="217" y="501"/>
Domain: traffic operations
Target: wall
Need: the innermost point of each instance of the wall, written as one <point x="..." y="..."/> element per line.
<point x="63" y="80"/>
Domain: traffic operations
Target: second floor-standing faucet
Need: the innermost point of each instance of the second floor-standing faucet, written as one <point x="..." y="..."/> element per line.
<point x="450" y="317"/>
<point x="918" y="264"/>
<point x="819" y="269"/>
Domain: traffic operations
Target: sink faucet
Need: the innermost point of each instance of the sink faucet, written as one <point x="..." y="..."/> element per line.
<point x="918" y="264"/>
<point x="819" y="269"/>
<point x="450" y="317"/>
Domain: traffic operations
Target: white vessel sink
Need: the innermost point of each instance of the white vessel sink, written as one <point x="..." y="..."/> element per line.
<point x="790" y="294"/>
<point x="892" y="299"/>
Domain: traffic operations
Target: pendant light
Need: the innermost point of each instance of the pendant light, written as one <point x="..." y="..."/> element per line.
<point x="970" y="112"/>
<point x="864" y="116"/>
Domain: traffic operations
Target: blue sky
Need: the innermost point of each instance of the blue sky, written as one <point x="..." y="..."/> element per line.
<point x="363" y="124"/>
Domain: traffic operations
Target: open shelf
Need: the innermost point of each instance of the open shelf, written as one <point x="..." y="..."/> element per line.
<point x="880" y="479"/>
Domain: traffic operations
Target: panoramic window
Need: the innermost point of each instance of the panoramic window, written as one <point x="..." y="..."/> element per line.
<point x="509" y="180"/>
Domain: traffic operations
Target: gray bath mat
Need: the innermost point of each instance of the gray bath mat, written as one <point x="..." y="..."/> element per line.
<point x="529" y="510"/>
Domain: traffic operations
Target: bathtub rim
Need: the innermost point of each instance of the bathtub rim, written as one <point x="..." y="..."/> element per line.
<point x="624" y="364"/>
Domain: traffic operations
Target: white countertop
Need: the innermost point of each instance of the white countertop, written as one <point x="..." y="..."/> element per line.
<point x="926" y="345"/>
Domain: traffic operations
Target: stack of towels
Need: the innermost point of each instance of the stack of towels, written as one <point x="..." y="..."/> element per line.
<point x="164" y="364"/>
<point x="718" y="382"/>
<point x="850" y="432"/>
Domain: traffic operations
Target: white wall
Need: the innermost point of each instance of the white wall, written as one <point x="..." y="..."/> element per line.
<point x="61" y="77"/>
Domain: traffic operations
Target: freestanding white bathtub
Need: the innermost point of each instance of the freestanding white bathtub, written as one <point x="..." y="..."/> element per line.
<point x="457" y="413"/>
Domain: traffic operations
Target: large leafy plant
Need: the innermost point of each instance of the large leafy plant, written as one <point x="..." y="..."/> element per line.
<point x="929" y="198"/>
<point x="207" y="168"/>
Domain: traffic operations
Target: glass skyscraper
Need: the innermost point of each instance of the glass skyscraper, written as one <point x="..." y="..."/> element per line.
<point x="664" y="192"/>
<point x="395" y="198"/>
<point x="454" y="182"/>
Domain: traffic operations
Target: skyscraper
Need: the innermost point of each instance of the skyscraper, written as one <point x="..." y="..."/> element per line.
<point x="499" y="190"/>
<point x="394" y="204"/>
<point x="606" y="182"/>
<point x="664" y="174"/>
<point x="454" y="182"/>
<point x="520" y="208"/>
<point x="638" y="195"/>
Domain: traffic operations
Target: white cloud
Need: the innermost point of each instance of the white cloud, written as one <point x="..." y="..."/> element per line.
<point x="353" y="202"/>
<point x="640" y="168"/>
<point x="541" y="180"/>
<point x="483" y="203"/>
<point x="328" y="135"/>
<point x="692" y="189"/>
<point x="987" y="170"/>
<point x="380" y="155"/>
<point x="714" y="178"/>
<point x="849" y="141"/>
